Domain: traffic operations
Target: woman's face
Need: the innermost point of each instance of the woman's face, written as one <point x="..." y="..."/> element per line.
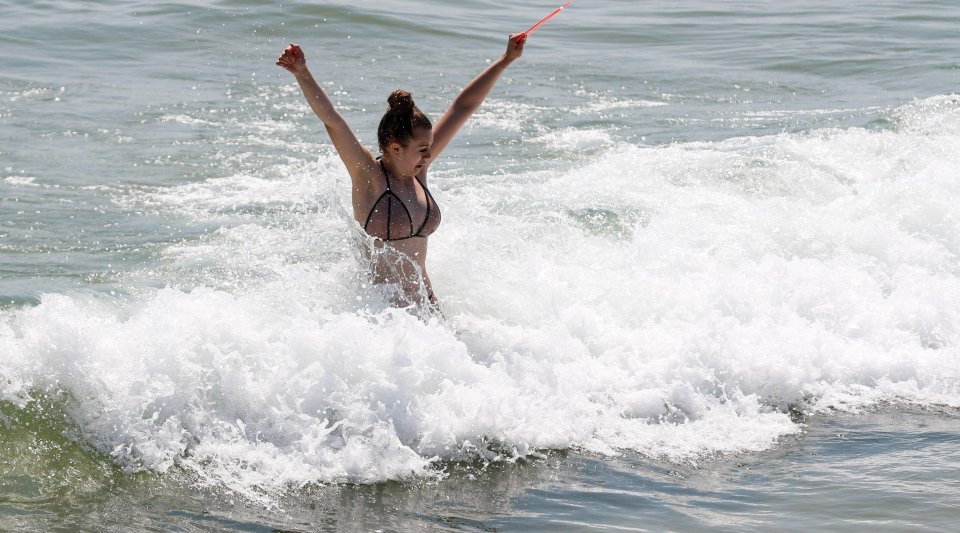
<point x="412" y="158"/>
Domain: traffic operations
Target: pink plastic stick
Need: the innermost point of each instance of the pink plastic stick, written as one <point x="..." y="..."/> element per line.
<point x="536" y="26"/>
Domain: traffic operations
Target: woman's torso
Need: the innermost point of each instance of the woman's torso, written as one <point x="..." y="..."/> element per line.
<point x="401" y="209"/>
<point x="400" y="214"/>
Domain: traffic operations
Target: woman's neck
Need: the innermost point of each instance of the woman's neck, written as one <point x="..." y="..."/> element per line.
<point x="392" y="169"/>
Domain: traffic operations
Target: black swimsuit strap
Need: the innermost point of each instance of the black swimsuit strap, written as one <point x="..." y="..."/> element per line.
<point x="429" y="197"/>
<point x="373" y="209"/>
<point x="386" y="177"/>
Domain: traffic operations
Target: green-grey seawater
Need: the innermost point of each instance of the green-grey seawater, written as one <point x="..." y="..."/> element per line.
<point x="699" y="264"/>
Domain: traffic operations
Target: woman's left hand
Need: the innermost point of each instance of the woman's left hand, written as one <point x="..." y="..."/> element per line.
<point x="515" y="46"/>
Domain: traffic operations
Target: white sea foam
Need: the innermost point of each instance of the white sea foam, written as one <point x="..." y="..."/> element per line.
<point x="185" y="119"/>
<point x="570" y="137"/>
<point x="29" y="93"/>
<point x="509" y="116"/>
<point x="21" y="181"/>
<point x="603" y="104"/>
<point x="672" y="300"/>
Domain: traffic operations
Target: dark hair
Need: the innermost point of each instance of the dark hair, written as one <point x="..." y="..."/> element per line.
<point x="400" y="120"/>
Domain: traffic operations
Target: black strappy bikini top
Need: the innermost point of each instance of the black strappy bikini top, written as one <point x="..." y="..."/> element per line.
<point x="389" y="218"/>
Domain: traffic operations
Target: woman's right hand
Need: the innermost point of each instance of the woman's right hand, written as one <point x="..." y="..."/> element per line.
<point x="293" y="59"/>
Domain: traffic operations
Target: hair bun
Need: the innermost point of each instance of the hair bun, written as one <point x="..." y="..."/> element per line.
<point x="401" y="102"/>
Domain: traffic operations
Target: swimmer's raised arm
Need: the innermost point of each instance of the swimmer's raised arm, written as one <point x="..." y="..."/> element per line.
<point x="360" y="162"/>
<point x="473" y="95"/>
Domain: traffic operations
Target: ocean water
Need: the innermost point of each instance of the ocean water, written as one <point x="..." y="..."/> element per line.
<point x="699" y="266"/>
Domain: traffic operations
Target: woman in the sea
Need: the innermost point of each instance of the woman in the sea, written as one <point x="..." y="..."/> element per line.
<point x="390" y="196"/>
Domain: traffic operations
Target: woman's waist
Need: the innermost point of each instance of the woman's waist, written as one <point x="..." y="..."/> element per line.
<point x="413" y="247"/>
